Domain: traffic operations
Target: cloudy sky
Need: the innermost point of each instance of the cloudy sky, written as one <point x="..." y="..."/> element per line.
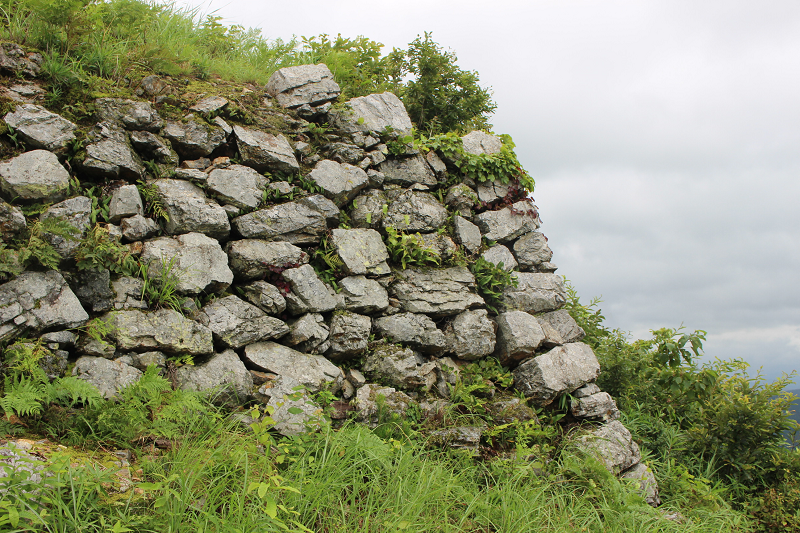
<point x="664" y="138"/>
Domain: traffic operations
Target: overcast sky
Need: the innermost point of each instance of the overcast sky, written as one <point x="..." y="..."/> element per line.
<point x="664" y="138"/>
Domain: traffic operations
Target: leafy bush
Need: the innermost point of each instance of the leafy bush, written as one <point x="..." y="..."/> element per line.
<point x="409" y="249"/>
<point x="491" y="280"/>
<point x="99" y="250"/>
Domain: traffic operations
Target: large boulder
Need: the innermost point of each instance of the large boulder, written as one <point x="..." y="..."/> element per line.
<point x="612" y="445"/>
<point x="414" y="330"/>
<point x="309" y="293"/>
<point x="535" y="293"/>
<point x="408" y="171"/>
<point x="164" y="330"/>
<point x="313" y="371"/>
<point x="255" y="258"/>
<point x="479" y="142"/>
<point x="562" y="369"/>
<point x="110" y="155"/>
<point x="519" y="335"/>
<point x="195" y="259"/>
<point x="415" y="211"/>
<point x="193" y="137"/>
<point x="189" y="210"/>
<point x="341" y="182"/>
<point x="303" y="85"/>
<point x="224" y="373"/>
<point x="291" y="222"/>
<point x="361" y="251"/>
<point x="237" y="185"/>
<point x="400" y="367"/>
<point x="130" y="114"/>
<point x="109" y="377"/>
<point x="436" y="292"/>
<point x="373" y="113"/>
<point x="38" y="301"/>
<point x="508" y="223"/>
<point x="471" y="335"/>
<point x="565" y="326"/>
<point x="40" y="128"/>
<point x="363" y="295"/>
<point x="74" y="211"/>
<point x="264" y="151"/>
<point x="35" y="176"/>
<point x="237" y="323"/>
<point x="349" y="335"/>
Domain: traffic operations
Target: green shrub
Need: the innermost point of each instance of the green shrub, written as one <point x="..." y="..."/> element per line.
<point x="491" y="280"/>
<point x="99" y="250"/>
<point x="409" y="249"/>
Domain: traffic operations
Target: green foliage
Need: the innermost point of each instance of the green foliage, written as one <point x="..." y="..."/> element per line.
<point x="33" y="247"/>
<point x="491" y="280"/>
<point x="327" y="263"/>
<point x="161" y="279"/>
<point x="409" y="249"/>
<point x="99" y="250"/>
<point x="152" y="199"/>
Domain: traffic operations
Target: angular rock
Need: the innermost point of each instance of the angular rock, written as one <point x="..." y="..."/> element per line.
<point x="189" y="210"/>
<point x="509" y="411"/>
<point x="491" y="191"/>
<point x="125" y="202"/>
<point x="130" y="114"/>
<point x="459" y="438"/>
<point x="478" y="142"/>
<point x="224" y="373"/>
<point x="197" y="260"/>
<point x="498" y="254"/>
<point x="309" y="333"/>
<point x="264" y="151"/>
<point x="110" y="155"/>
<point x="109" y="377"/>
<point x="400" y="367"/>
<point x="93" y="289"/>
<point x="440" y="244"/>
<point x="562" y="369"/>
<point x="312" y="371"/>
<point x="209" y="104"/>
<point x="361" y="251"/>
<point x="54" y="363"/>
<point x="139" y="228"/>
<point x="345" y="153"/>
<point x="294" y="411"/>
<point x="467" y="234"/>
<point x="535" y="293"/>
<point x="237" y="323"/>
<point x="12" y="221"/>
<point x="471" y="335"/>
<point x="141" y="361"/>
<point x="153" y="147"/>
<point x="362" y="295"/>
<point x="415" y="211"/>
<point x="436" y="292"/>
<point x="309" y="289"/>
<point x="519" y="335"/>
<point x="14" y="60"/>
<point x="531" y="250"/>
<point x="462" y="199"/>
<point x="368" y="210"/>
<point x="253" y="258"/>
<point x="128" y="292"/>
<point x="324" y="206"/>
<point x="599" y="406"/>
<point x="265" y="296"/>
<point x="291" y="222"/>
<point x="586" y="390"/>
<point x="645" y="482"/>
<point x="194" y="138"/>
<point x="408" y="171"/>
<point x="35" y="176"/>
<point x="37" y="301"/>
<point x="349" y="336"/>
<point x="416" y="331"/>
<point x="340" y="182"/>
<point x="163" y="330"/>
<point x="40" y="128"/>
<point x="378" y="112"/>
<point x="436" y="164"/>
<point x="74" y="211"/>
<point x="612" y="445"/>
<point x="507" y="224"/>
<point x="237" y="185"/>
<point x="303" y="84"/>
<point x="564" y="324"/>
<point x="376" y="402"/>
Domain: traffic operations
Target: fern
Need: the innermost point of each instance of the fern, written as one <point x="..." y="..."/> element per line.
<point x="23" y="396"/>
<point x="38" y="249"/>
<point x="152" y="200"/>
<point x="71" y="391"/>
<point x="99" y="250"/>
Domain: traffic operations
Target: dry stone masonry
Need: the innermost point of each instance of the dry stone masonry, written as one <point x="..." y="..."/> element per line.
<point x="280" y="245"/>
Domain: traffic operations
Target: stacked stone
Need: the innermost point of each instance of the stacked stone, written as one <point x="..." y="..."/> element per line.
<point x="261" y="340"/>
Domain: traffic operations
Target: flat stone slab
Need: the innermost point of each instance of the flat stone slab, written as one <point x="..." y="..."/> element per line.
<point x="40" y="128"/>
<point x="303" y="84"/>
<point x="163" y="330"/>
<point x="264" y="151"/>
<point x="237" y="323"/>
<point x="436" y="292"/>
<point x="237" y="185"/>
<point x="535" y="293"/>
<point x="363" y="295"/>
<point x="361" y="251"/>
<point x="189" y="210"/>
<point x="507" y="224"/>
<point x="312" y="371"/>
<point x="374" y="112"/>
<point x="414" y="330"/>
<point x="198" y="262"/>
<point x="291" y="222"/>
<point x="35" y="176"/>
<point x="224" y="373"/>
<point x="408" y="171"/>
<point x="255" y="258"/>
<point x="563" y="369"/>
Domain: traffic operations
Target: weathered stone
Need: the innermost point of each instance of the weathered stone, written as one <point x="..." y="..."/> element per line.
<point x="498" y="254"/>
<point x="645" y="482"/>
<point x="478" y="142"/>
<point x="110" y="154"/>
<point x="14" y="60"/>
<point x="237" y="323"/>
<point x="599" y="406"/>
<point x="293" y="409"/>
<point x="324" y="206"/>
<point x="291" y="222"/>
<point x="64" y="338"/>
<point x="125" y="202"/>
<point x="40" y="128"/>
<point x="224" y="373"/>
<point x="308" y="287"/>
<point x="309" y="333"/>
<point x="374" y="112"/>
<point x="436" y="164"/>
<point x="53" y="363"/>
<point x="519" y="335"/>
<point x="139" y="228"/>
<point x="303" y="84"/>
<point x="109" y="377"/>
<point x="564" y="324"/>
<point x="99" y="348"/>
<point x="153" y="147"/>
<point x="508" y="223"/>
<point x="194" y="137"/>
<point x="467" y="234"/>
<point x="190" y="174"/>
<point x="189" y="210"/>
<point x="141" y="361"/>
<point x="265" y="296"/>
<point x="471" y="335"/>
<point x="129" y="293"/>
<point x="586" y="390"/>
<point x="532" y="250"/>
<point x="197" y="260"/>
<point x="440" y="244"/>
<point x="209" y="104"/>
<point x="408" y="171"/>
<point x="535" y="293"/>
<point x="152" y="85"/>
<point x="313" y="371"/>
<point x="264" y="151"/>
<point x="93" y="289"/>
<point x="415" y="211"/>
<point x="462" y="199"/>
<point x="417" y="331"/>
<point x="376" y="401"/>
<point x="344" y="153"/>
<point x="237" y="185"/>
<point x="164" y="330"/>
<point x="509" y="411"/>
<point x="349" y="335"/>
<point x="35" y="176"/>
<point x="399" y="367"/>
<point x="77" y="213"/>
<point x="459" y="438"/>
<point x="356" y="378"/>
<point x="436" y="292"/>
<point x="37" y="301"/>
<point x="340" y="182"/>
<point x="130" y="114"/>
<point x="491" y="191"/>
<point x="368" y="209"/>
<point x="612" y="445"/>
<point x="562" y="369"/>
<point x="361" y="251"/>
<point x="12" y="221"/>
<point x="362" y="295"/>
<point x="253" y="258"/>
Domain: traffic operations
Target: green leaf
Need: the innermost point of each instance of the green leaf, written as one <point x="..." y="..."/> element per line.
<point x="13" y="516"/>
<point x="270" y="507"/>
<point x="295" y="411"/>
<point x="262" y="490"/>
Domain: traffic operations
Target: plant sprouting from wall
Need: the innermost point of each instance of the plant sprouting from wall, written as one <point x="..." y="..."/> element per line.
<point x="491" y="280"/>
<point x="409" y="249"/>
